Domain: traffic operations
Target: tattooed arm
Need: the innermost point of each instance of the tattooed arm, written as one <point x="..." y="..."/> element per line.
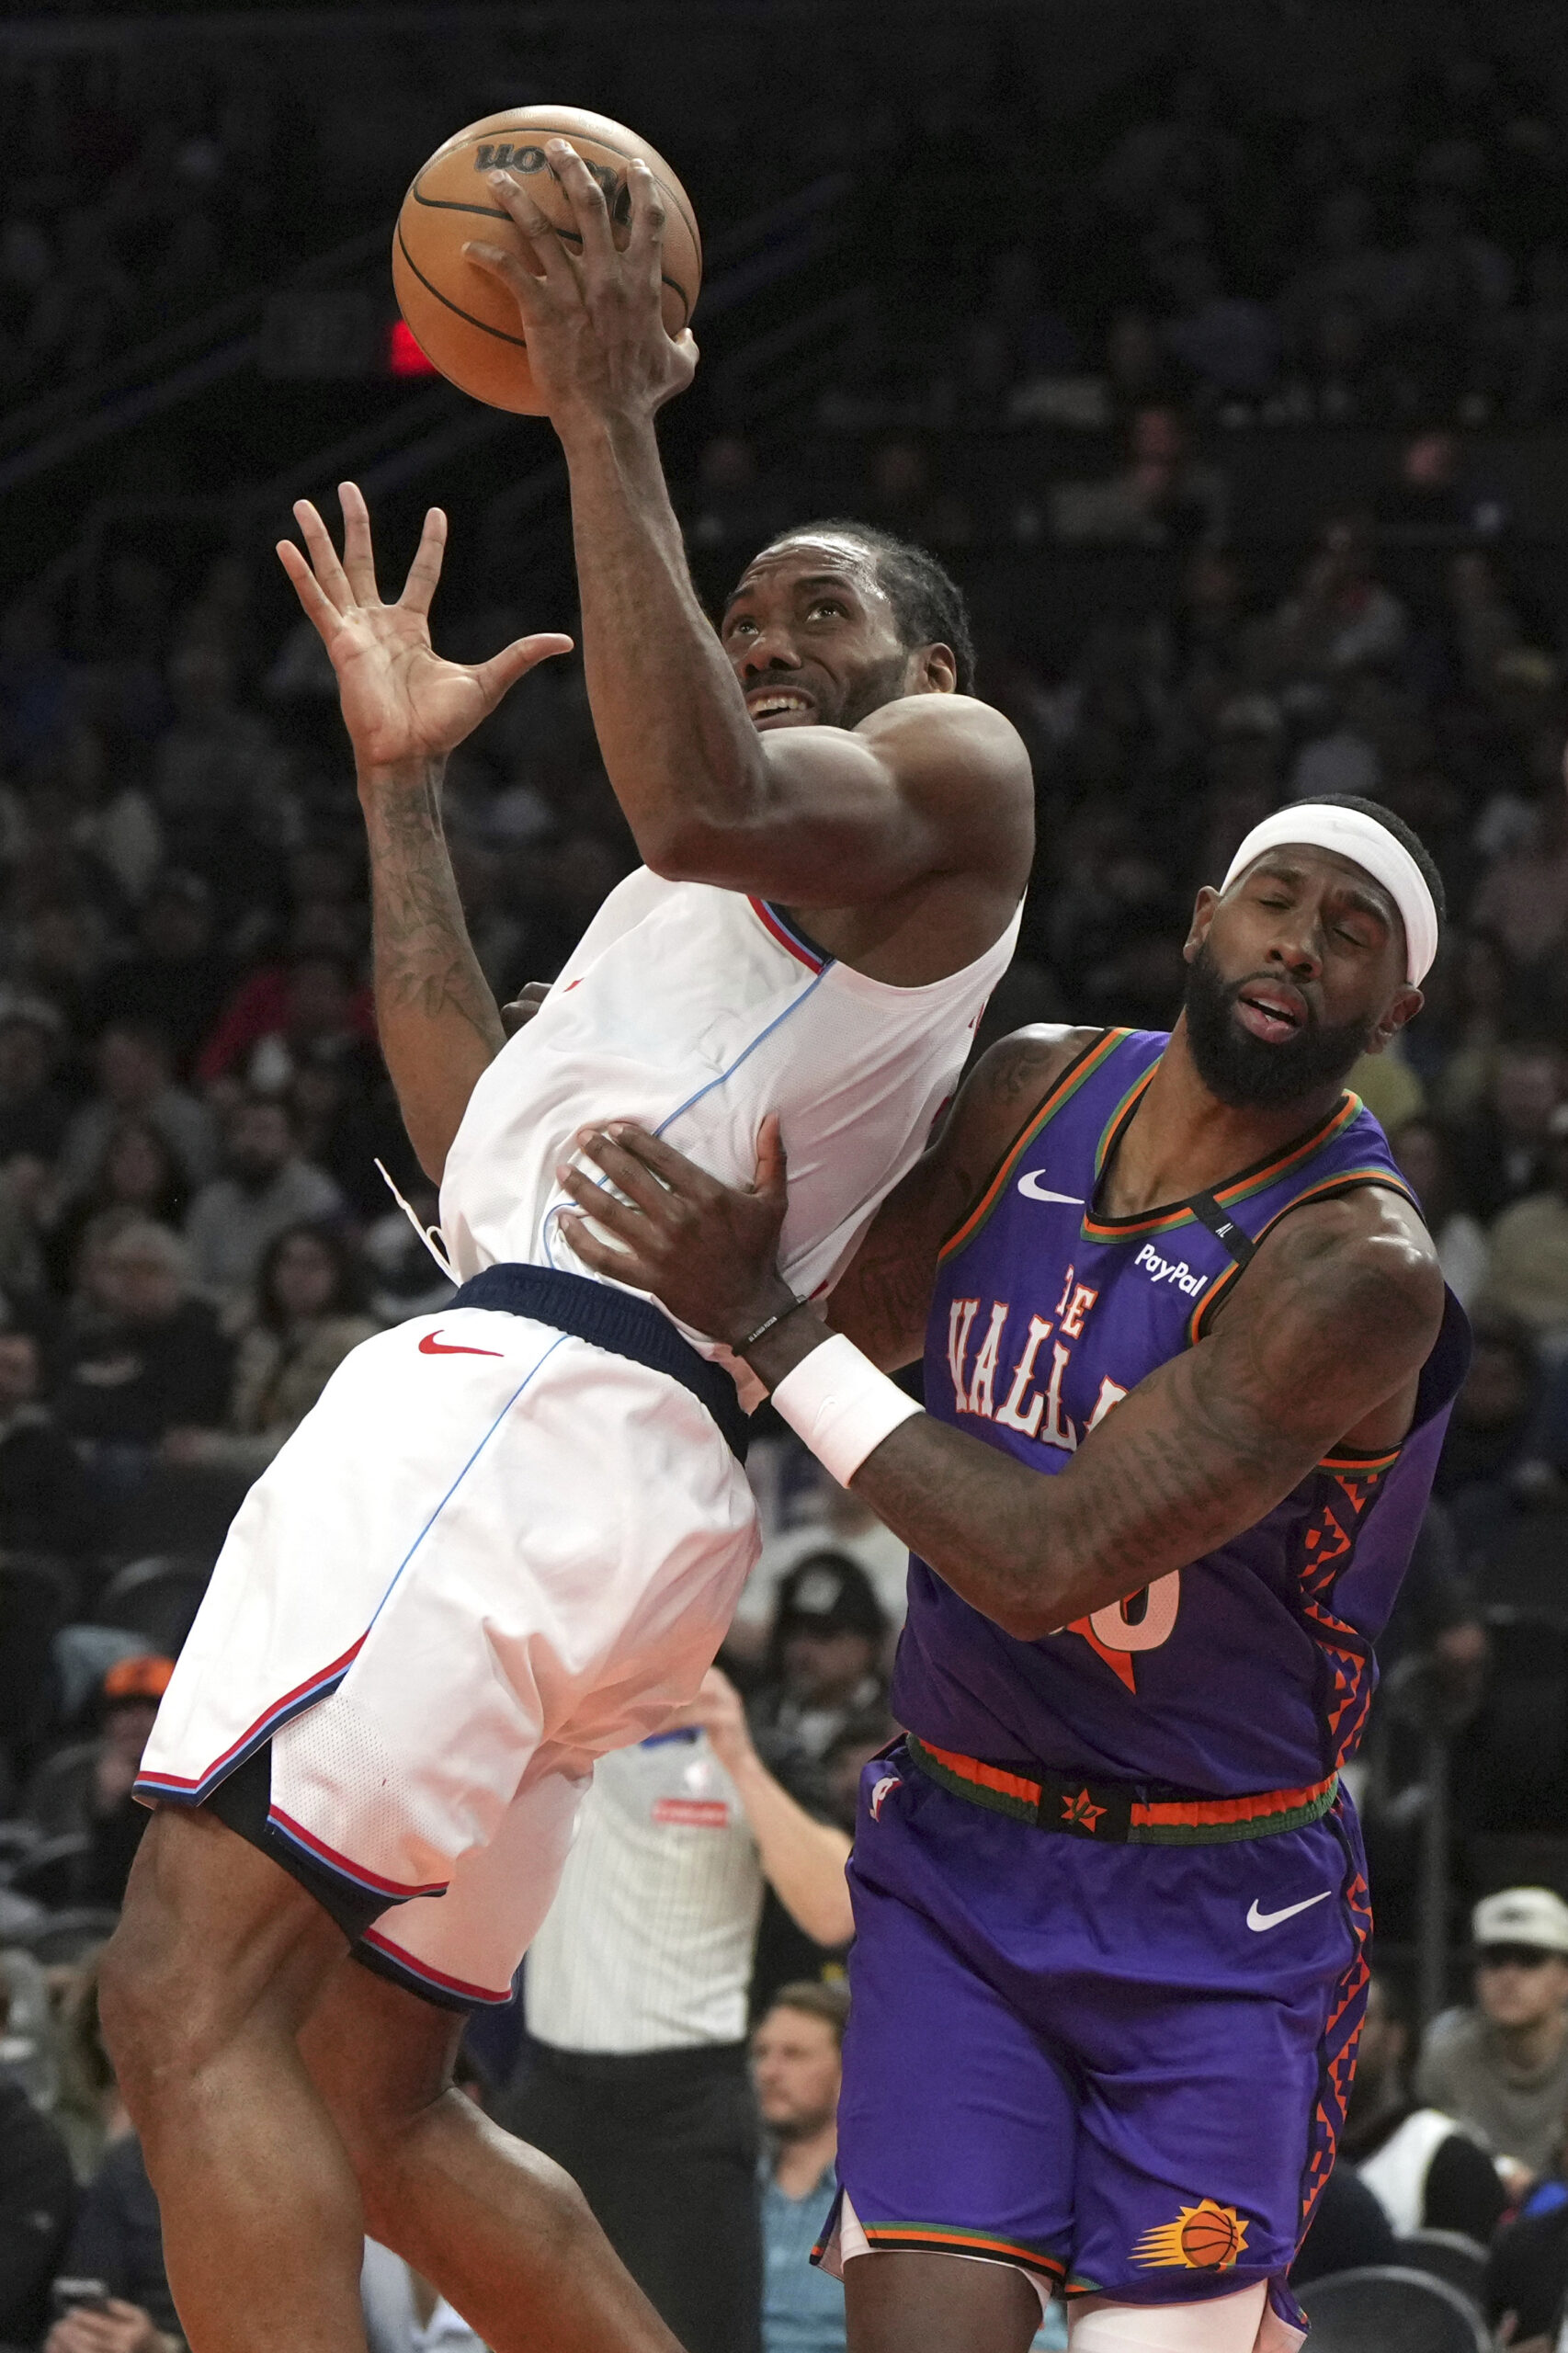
<point x="882" y="1298"/>
<point x="406" y="709"/>
<point x="1322" y="1343"/>
<point x="439" y="1023"/>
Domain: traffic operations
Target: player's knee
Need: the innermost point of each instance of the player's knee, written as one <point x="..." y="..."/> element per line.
<point x="146" y="2022"/>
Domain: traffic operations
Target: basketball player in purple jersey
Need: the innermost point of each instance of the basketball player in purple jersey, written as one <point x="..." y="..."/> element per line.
<point x="1110" y="1900"/>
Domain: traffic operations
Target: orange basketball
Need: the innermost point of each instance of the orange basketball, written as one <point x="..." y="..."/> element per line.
<point x="462" y="319"/>
<point x="1210" y="2239"/>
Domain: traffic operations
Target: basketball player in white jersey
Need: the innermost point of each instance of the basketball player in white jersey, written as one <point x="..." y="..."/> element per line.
<point x="509" y="1536"/>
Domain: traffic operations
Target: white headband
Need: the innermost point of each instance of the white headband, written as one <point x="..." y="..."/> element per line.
<point x="1366" y="843"/>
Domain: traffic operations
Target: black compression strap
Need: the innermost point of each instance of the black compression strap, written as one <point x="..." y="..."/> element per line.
<point x="616" y="1320"/>
<point x="1223" y="1227"/>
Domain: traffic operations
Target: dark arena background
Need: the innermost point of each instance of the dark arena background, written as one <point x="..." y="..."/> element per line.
<point x="1220" y="352"/>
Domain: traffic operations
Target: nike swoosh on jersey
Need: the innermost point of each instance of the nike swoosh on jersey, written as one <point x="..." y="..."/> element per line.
<point x="432" y="1346"/>
<point x="1034" y="1191"/>
<point x="1257" y="1919"/>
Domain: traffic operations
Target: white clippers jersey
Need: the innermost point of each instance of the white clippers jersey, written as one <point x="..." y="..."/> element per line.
<point x="696" y="1011"/>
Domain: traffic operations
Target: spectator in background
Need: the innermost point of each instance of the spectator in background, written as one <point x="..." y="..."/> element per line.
<point x="117" y="2238"/>
<point x="35" y="1110"/>
<point x="44" y="1505"/>
<point x="1422" y="1150"/>
<point x="297" y="1001"/>
<point x="266" y="1188"/>
<point x="1163" y="497"/>
<point x="1501" y="2070"/>
<point x="636" y="1997"/>
<point x="824" y="1662"/>
<point x="139" y="1171"/>
<point x="797" y="2066"/>
<point x="1528" y="1276"/>
<point x="173" y="979"/>
<point x="1492" y="1416"/>
<point x="37" y="2198"/>
<point x="128" y="1703"/>
<point x="1424" y="2171"/>
<point x="135" y="1072"/>
<point x="147" y="1357"/>
<point x="1503" y="1149"/>
<point x="308" y="1312"/>
<point x="1524" y="898"/>
<point x="1342" y="618"/>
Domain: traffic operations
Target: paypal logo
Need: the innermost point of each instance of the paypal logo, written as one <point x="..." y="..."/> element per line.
<point x="1162" y="1271"/>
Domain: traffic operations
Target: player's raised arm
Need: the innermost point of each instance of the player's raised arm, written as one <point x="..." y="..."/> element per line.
<point x="775" y="759"/>
<point x="1323" y="1343"/>
<point x="406" y="709"/>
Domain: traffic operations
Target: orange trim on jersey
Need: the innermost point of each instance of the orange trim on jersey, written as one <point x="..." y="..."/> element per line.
<point x="1067" y="1085"/>
<point x="940" y="2236"/>
<point x="1240" y="1187"/>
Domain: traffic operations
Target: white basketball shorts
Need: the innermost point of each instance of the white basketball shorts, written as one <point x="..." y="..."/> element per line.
<point x="491" y="1553"/>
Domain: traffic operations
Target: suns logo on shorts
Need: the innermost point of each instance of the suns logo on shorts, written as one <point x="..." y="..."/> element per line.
<point x="1204" y="2237"/>
<point x="885" y="1786"/>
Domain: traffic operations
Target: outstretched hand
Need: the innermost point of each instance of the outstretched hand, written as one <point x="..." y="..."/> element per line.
<point x="707" y="1251"/>
<point x="401" y="701"/>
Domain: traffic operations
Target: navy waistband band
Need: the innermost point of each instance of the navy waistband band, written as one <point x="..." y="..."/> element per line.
<point x="616" y="1320"/>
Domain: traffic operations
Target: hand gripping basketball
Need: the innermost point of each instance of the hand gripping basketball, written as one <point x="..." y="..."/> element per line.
<point x="401" y="702"/>
<point x="597" y="341"/>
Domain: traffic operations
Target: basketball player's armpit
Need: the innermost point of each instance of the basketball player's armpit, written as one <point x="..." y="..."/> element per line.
<point x="437" y="1021"/>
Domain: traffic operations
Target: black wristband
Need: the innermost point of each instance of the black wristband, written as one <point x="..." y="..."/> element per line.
<point x="762" y="1330"/>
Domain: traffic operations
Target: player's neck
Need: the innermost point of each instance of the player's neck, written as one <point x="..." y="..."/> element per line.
<point x="1183" y="1140"/>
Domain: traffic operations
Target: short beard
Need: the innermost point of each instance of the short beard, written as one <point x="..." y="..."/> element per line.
<point x="1245" y="1072"/>
<point x="881" y="684"/>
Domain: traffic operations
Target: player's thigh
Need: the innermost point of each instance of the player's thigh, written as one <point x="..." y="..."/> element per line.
<point x="214" y="1939"/>
<point x="958" y="2126"/>
<point x="937" y="2304"/>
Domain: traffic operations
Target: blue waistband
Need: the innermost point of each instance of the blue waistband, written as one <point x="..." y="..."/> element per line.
<point x="616" y="1320"/>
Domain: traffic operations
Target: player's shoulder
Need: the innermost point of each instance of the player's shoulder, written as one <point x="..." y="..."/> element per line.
<point x="952" y="732"/>
<point x="1010" y="1082"/>
<point x="1363" y="1255"/>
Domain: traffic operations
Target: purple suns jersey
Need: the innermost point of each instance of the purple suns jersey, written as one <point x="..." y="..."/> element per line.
<point x="1251" y="1670"/>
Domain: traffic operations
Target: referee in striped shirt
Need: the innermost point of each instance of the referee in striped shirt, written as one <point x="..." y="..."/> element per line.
<point x="635" y="1997"/>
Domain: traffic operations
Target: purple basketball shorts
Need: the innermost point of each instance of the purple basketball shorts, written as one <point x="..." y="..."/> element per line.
<point x="1123" y="2068"/>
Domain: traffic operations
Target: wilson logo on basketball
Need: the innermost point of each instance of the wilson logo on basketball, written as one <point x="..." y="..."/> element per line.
<point x="1204" y="2237"/>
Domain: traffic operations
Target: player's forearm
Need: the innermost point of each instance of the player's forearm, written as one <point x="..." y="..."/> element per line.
<point x="1035" y="1553"/>
<point x="803" y="1860"/>
<point x="439" y="1023"/>
<point x="677" y="745"/>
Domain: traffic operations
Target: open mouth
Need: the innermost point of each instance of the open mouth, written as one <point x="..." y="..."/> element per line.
<point x="779" y="702"/>
<point x="1273" y="1015"/>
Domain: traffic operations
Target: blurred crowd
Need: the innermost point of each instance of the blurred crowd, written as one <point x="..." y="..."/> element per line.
<point x="1376" y="245"/>
<point x="194" y="1229"/>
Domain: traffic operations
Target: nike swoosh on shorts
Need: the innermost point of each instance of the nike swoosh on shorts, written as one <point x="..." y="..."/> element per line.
<point x="432" y="1346"/>
<point x="1257" y="1919"/>
<point x="1036" y="1192"/>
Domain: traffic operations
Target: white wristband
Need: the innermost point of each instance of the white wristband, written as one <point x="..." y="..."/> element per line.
<point x="843" y="1407"/>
